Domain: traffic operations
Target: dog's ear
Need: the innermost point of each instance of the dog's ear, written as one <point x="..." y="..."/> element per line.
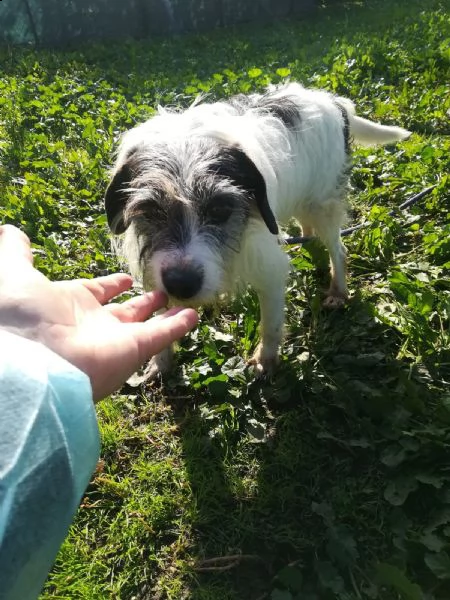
<point x="236" y="165"/>
<point x="116" y="195"/>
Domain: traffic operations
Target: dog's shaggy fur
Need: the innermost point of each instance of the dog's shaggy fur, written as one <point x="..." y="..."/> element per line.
<point x="199" y="196"/>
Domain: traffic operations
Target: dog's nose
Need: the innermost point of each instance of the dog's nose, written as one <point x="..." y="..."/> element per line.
<point x="182" y="282"/>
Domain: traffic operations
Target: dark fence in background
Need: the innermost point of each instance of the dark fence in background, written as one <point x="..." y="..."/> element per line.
<point x="60" y="22"/>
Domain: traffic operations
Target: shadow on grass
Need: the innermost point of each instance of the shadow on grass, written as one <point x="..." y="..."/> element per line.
<point x="298" y="479"/>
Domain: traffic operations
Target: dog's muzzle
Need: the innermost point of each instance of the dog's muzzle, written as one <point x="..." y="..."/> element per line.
<point x="182" y="281"/>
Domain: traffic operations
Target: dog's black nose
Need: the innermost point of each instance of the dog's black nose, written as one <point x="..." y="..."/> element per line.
<point x="182" y="282"/>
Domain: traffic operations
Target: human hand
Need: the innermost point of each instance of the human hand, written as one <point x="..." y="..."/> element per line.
<point x="109" y="342"/>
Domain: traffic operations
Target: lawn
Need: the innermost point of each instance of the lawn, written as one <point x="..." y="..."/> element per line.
<point x="332" y="479"/>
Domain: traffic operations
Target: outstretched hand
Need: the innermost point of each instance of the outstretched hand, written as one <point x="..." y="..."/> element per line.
<point x="109" y="342"/>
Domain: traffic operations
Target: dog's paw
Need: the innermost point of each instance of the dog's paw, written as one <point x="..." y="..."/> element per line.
<point x="333" y="302"/>
<point x="157" y="366"/>
<point x="263" y="362"/>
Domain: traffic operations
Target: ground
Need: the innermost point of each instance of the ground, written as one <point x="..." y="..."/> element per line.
<point x="330" y="480"/>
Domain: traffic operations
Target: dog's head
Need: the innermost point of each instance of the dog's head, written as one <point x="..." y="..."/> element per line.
<point x="184" y="207"/>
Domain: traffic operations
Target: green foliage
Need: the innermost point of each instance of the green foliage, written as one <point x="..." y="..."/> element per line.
<point x="332" y="478"/>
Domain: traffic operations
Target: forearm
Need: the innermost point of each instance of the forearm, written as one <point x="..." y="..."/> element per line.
<point x="49" y="447"/>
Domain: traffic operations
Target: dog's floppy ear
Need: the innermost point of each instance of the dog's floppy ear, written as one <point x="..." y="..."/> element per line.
<point x="236" y="165"/>
<point x="116" y="195"/>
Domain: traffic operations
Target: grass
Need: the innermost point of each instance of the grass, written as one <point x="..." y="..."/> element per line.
<point x="332" y="480"/>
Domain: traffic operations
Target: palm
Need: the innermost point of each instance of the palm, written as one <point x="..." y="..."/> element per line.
<point x="107" y="341"/>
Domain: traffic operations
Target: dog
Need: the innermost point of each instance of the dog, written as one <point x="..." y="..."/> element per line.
<point x="198" y="198"/>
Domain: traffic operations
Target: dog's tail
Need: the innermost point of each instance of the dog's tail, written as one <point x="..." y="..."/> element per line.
<point x="368" y="133"/>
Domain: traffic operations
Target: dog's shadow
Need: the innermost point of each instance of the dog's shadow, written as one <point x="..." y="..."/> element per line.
<point x="223" y="474"/>
<point x="253" y="488"/>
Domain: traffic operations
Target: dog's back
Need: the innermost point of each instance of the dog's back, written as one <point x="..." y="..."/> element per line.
<point x="300" y="139"/>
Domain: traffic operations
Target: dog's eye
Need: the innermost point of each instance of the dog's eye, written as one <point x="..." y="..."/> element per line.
<point x="219" y="213"/>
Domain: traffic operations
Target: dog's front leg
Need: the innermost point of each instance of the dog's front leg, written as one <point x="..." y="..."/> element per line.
<point x="159" y="364"/>
<point x="266" y="357"/>
<point x="269" y="281"/>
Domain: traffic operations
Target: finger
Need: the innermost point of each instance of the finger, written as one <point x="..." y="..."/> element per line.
<point x="158" y="333"/>
<point x="108" y="287"/>
<point x="139" y="308"/>
<point x="15" y="247"/>
<point x="170" y="312"/>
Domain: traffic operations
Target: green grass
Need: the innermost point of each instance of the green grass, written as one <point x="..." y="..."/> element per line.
<point x="332" y="480"/>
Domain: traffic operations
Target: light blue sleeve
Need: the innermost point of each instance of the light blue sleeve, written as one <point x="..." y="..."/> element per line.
<point x="49" y="447"/>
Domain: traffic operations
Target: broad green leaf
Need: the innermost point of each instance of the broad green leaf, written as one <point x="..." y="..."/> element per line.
<point x="323" y="509"/>
<point x="342" y="545"/>
<point x="280" y="595"/>
<point x="432" y="541"/>
<point x="283" y="72"/>
<point x="255" y="72"/>
<point x="234" y="367"/>
<point x="393" y="455"/>
<point x="329" y="576"/>
<point x="397" y="491"/>
<point x="291" y="577"/>
<point x="430" y="479"/>
<point x="439" y="563"/>
<point x="393" y="576"/>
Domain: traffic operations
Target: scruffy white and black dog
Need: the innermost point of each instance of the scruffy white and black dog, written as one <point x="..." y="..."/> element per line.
<point x="199" y="196"/>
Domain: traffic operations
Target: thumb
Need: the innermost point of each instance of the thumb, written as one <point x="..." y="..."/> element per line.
<point x="159" y="332"/>
<point x="15" y="248"/>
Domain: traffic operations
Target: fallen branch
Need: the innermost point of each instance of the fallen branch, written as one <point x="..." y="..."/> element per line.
<point x="290" y="241"/>
<point x="224" y="563"/>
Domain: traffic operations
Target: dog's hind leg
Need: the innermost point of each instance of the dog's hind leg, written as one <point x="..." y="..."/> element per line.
<point x="307" y="230"/>
<point x="337" y="293"/>
<point x="326" y="223"/>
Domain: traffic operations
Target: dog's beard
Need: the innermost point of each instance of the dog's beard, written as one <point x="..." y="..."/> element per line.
<point x="199" y="266"/>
